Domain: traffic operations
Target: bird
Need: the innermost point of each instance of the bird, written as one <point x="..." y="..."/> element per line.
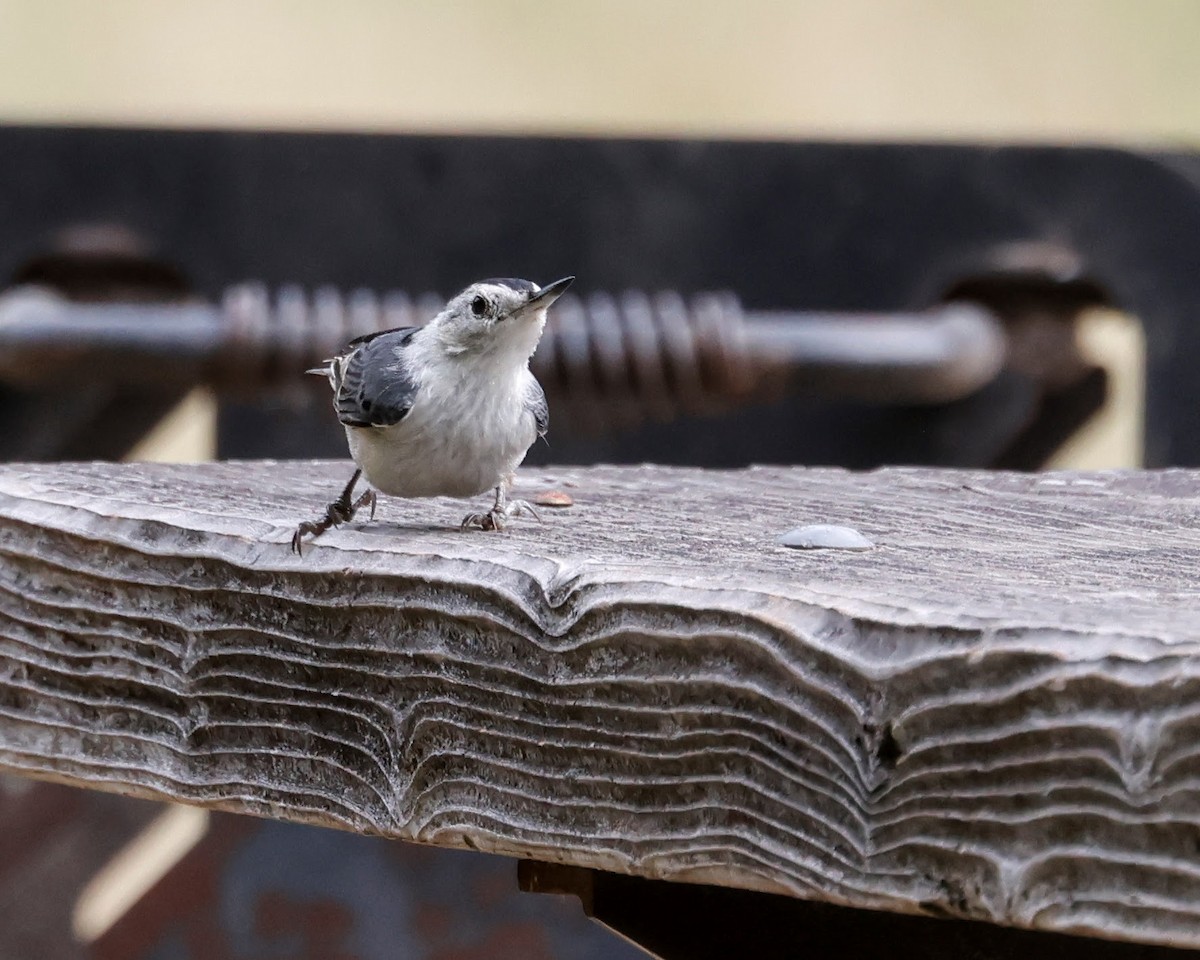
<point x="447" y="409"/>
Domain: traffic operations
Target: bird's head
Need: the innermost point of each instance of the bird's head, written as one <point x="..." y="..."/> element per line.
<point x="500" y="318"/>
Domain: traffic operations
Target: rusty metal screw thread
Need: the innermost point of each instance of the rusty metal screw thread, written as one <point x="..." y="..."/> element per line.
<point x="277" y="336"/>
<point x="618" y="360"/>
<point x="612" y="360"/>
<point x="606" y="360"/>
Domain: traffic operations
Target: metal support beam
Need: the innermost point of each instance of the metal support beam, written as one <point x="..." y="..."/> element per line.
<point x="683" y="921"/>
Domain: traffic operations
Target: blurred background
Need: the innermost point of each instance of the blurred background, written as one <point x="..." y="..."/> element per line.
<point x="83" y="875"/>
<point x="1118" y="71"/>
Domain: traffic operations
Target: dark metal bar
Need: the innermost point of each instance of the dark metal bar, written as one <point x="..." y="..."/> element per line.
<point x="684" y="921"/>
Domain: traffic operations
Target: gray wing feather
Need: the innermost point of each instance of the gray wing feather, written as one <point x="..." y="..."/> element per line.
<point x="371" y="387"/>
<point x="535" y="403"/>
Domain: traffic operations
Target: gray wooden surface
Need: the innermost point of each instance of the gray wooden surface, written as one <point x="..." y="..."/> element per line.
<point x="993" y="713"/>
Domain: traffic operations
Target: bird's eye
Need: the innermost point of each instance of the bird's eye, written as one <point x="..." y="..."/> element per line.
<point x="479" y="306"/>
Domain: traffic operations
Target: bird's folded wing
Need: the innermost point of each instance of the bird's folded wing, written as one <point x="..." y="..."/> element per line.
<point x="372" y="387"/>
<point x="535" y="403"/>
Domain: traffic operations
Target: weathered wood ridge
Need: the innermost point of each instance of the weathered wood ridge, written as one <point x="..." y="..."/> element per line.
<point x="993" y="713"/>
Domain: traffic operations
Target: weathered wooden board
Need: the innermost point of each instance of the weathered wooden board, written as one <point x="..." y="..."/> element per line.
<point x="995" y="712"/>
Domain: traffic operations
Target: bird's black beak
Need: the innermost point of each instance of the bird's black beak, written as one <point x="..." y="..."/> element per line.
<point x="551" y="292"/>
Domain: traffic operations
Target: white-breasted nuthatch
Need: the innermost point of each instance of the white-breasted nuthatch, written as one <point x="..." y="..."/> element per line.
<point x="445" y="410"/>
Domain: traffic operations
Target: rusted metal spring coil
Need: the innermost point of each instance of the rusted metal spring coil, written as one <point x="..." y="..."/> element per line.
<point x="652" y="355"/>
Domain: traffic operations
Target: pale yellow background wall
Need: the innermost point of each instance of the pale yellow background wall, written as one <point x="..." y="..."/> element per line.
<point x="1091" y="69"/>
<point x="1125" y="71"/>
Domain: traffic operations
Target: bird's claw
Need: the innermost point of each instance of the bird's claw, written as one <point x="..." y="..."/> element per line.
<point x="315" y="527"/>
<point x="492" y="520"/>
<point x="341" y="510"/>
<point x="517" y="507"/>
<point x="497" y="518"/>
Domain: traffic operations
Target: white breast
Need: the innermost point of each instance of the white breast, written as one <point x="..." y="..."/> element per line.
<point x="466" y="431"/>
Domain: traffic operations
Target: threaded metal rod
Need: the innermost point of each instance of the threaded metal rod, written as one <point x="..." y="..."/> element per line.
<point x="634" y="355"/>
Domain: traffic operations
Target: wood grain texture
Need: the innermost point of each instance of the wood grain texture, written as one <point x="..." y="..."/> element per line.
<point x="994" y="713"/>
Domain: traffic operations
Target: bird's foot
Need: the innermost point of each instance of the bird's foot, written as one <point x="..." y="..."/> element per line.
<point x="341" y="510"/>
<point x="514" y="508"/>
<point x="492" y="520"/>
<point x="497" y="518"/>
